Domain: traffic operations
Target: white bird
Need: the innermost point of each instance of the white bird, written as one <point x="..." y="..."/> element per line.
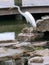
<point x="29" y="18"/>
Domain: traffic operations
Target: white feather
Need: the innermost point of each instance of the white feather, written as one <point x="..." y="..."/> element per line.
<point x="28" y="16"/>
<point x="30" y="19"/>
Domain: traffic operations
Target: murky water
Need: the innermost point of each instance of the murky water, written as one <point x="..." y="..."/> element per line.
<point x="11" y="24"/>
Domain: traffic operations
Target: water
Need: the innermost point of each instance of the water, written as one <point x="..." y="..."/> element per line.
<point x="11" y="24"/>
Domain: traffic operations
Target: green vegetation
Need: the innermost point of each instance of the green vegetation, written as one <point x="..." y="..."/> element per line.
<point x="18" y="2"/>
<point x="38" y="48"/>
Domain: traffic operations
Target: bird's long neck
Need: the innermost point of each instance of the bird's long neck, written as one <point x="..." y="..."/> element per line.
<point x="19" y="10"/>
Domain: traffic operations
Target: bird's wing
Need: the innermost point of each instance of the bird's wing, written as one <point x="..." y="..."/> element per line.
<point x="30" y="19"/>
<point x="26" y="17"/>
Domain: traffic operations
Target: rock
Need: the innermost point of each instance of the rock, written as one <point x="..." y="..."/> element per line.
<point x="20" y="44"/>
<point x="43" y="24"/>
<point x="8" y="44"/>
<point x="27" y="30"/>
<point x="7" y="53"/>
<point x="3" y="50"/>
<point x="29" y="36"/>
<point x="39" y="53"/>
<point x="36" y="60"/>
<point x="39" y="61"/>
<point x="25" y="36"/>
<point x="44" y="52"/>
<point x="17" y="61"/>
<point x="26" y="46"/>
<point x="39" y="44"/>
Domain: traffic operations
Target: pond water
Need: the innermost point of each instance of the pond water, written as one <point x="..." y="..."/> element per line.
<point x="11" y="24"/>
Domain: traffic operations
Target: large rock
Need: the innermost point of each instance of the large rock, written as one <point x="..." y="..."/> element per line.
<point x="20" y="44"/>
<point x="36" y="60"/>
<point x="39" y="53"/>
<point x="39" y="61"/>
<point x="44" y="52"/>
<point x="25" y="36"/>
<point x="43" y="24"/>
<point x="29" y="36"/>
<point x="6" y="53"/>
